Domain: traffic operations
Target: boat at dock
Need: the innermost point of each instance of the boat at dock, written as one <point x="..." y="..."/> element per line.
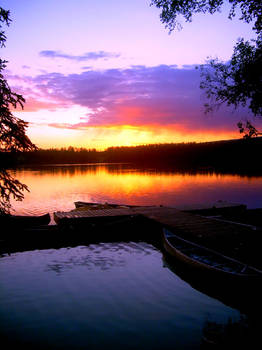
<point x="223" y="278"/>
<point x="90" y="214"/>
<point x="92" y="205"/>
<point x="24" y="221"/>
<point x="208" y="263"/>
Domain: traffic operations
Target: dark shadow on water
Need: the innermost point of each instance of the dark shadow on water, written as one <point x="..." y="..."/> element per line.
<point x="247" y="301"/>
<point x="241" y="334"/>
<point x="154" y="168"/>
<point x="55" y="237"/>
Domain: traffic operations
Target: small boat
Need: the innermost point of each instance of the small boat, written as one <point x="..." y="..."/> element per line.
<point x="207" y="262"/>
<point x="24" y="221"/>
<point x="91" y="205"/>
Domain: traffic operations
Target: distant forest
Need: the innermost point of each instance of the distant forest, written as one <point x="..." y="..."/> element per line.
<point x="242" y="155"/>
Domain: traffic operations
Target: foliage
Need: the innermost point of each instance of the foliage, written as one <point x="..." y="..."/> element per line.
<point x="248" y="130"/>
<point x="9" y="186"/>
<point x="239" y="81"/>
<point x="4" y="18"/>
<point x="171" y="9"/>
<point x="222" y="156"/>
<point x="12" y="129"/>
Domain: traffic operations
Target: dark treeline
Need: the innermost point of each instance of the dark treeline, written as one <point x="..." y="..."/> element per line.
<point x="231" y="155"/>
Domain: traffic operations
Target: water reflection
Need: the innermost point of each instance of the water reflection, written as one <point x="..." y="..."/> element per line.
<point x="230" y="335"/>
<point x="114" y="295"/>
<point x="54" y="188"/>
<point x="245" y="300"/>
<point x="103" y="256"/>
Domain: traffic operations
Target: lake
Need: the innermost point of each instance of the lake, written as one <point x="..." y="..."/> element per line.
<point x="57" y="187"/>
<point x="113" y="294"/>
<point x="116" y="295"/>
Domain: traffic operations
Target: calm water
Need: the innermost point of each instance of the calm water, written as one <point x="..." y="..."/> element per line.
<point x="102" y="296"/>
<point x="56" y="188"/>
<point x="110" y="295"/>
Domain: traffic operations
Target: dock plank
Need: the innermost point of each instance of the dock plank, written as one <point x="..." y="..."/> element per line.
<point x="174" y="219"/>
<point x="94" y="213"/>
<point x="230" y="239"/>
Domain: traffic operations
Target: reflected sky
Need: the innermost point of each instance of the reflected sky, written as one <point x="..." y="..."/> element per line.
<point x="103" y="256"/>
<point x="102" y="296"/>
<point x="56" y="188"/>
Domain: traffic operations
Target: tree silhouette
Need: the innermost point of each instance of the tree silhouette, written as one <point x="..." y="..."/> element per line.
<point x="13" y="136"/>
<point x="239" y="81"/>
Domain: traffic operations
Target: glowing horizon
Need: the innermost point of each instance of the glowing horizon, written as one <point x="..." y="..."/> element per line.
<point x="113" y="87"/>
<point x="124" y="136"/>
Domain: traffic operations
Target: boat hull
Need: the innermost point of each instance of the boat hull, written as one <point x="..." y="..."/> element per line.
<point x="20" y="221"/>
<point x="233" y="272"/>
<point x="238" y="290"/>
<point x="93" y="205"/>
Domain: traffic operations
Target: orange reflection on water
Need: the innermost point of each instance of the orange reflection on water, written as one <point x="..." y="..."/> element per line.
<point x="56" y="188"/>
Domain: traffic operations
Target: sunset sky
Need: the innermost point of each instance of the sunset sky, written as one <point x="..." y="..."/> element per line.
<point x="107" y="73"/>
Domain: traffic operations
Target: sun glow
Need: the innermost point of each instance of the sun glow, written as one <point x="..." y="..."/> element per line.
<point x="75" y="126"/>
<point x="103" y="137"/>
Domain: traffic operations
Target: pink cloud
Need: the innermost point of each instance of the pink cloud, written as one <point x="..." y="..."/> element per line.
<point x="34" y="105"/>
<point x="161" y="96"/>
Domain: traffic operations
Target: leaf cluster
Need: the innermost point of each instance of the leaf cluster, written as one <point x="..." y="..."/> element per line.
<point x="4" y="18"/>
<point x="237" y="82"/>
<point x="251" y="10"/>
<point x="248" y="130"/>
<point x="12" y="129"/>
<point x="9" y="187"/>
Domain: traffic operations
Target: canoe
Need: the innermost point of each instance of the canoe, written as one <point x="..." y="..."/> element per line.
<point x="91" y="205"/>
<point x="208" y="262"/>
<point x="25" y="221"/>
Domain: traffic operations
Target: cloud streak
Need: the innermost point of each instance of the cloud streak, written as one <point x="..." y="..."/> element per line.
<point x="88" y="56"/>
<point x="157" y="97"/>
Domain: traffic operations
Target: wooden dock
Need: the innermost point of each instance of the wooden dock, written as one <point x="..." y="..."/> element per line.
<point x="185" y="223"/>
<point x="232" y="239"/>
<point x="141" y="223"/>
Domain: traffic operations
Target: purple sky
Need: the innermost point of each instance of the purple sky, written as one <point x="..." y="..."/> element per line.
<point x="106" y="72"/>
